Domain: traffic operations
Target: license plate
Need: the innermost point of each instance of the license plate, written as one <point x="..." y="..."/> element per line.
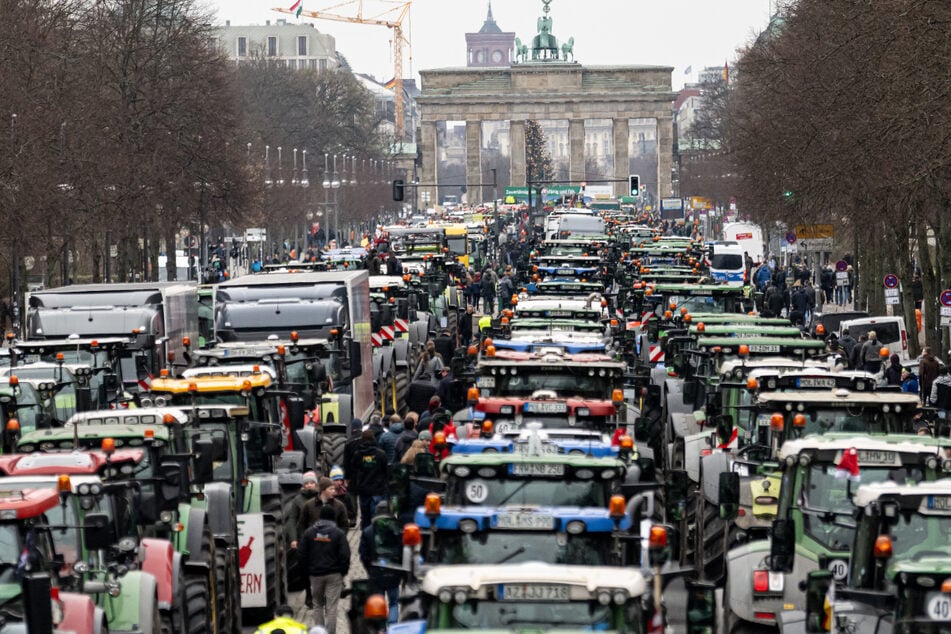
<point x="762" y="420"/>
<point x="545" y="408"/>
<point x="939" y="503"/>
<point x="764" y="347"/>
<point x="559" y="313"/>
<point x="806" y="382"/>
<point x="564" y="271"/>
<point x="538" y="469"/>
<point x="525" y="521"/>
<point x="533" y="592"/>
<point x="874" y="456"/>
<point x="485" y="381"/>
<point x="546" y="448"/>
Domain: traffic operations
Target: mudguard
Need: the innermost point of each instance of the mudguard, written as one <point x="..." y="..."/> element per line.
<point x="741" y="562"/>
<point x="79" y="613"/>
<point x="158" y="559"/>
<point x="195" y="521"/>
<point x="713" y="465"/>
<point x="694" y="444"/>
<point x="219" y="505"/>
<point x="290" y="462"/>
<point x="134" y="609"/>
<point x="401" y="351"/>
<point x="262" y="486"/>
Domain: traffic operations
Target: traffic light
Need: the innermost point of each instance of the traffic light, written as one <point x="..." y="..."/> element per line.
<point x="398" y="190"/>
<point x="634" y="182"/>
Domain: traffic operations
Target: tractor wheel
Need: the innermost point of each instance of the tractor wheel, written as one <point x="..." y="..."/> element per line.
<point x="274" y="506"/>
<point x="198" y="608"/>
<point x="225" y="605"/>
<point x="332" y="451"/>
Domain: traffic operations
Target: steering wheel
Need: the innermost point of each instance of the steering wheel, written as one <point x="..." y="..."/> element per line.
<point x="749" y="449"/>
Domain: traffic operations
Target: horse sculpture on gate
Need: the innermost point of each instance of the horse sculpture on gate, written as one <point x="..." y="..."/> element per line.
<point x="521" y="51"/>
<point x="568" y="48"/>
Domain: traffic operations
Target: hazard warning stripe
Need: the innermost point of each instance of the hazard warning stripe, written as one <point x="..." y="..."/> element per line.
<point x="401" y="325"/>
<point x="376" y="340"/>
<point x="656" y="354"/>
<point x="387" y="333"/>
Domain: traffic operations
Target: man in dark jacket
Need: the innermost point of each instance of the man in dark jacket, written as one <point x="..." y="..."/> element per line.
<point x="405" y="441"/>
<point x="927" y="372"/>
<point x="356" y="429"/>
<point x="445" y="346"/>
<point x="381" y="544"/>
<point x="369" y="475"/>
<point x="326" y="496"/>
<point x="848" y="343"/>
<point x="465" y="327"/>
<point x="388" y="440"/>
<point x="325" y="549"/>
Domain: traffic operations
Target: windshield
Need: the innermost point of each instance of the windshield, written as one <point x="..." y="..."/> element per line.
<point x="699" y="303"/>
<point x="457" y="245"/>
<point x="497" y="547"/>
<point x="731" y="261"/>
<point x="483" y="615"/>
<point x="826" y="501"/>
<point x="537" y="491"/>
<point x="577" y="384"/>
<point x="860" y="420"/>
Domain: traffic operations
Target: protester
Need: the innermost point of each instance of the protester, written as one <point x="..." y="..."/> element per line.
<point x="325" y="549"/>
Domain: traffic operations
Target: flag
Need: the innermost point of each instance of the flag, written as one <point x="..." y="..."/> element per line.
<point x="848" y="466"/>
<point x="656" y="625"/>
<point x="688" y="70"/>
<point x="297" y="7"/>
<point x="726" y="73"/>
<point x="390" y="85"/>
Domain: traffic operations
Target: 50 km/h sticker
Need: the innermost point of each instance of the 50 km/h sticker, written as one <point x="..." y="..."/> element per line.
<point x="477" y="491"/>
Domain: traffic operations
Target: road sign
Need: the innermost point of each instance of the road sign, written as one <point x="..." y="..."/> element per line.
<point x="945" y="298"/>
<point x="815" y="232"/>
<point x="815" y="244"/>
<point x="841" y="265"/>
<point x="791" y="237"/>
<point x="841" y="278"/>
<point x="892" y="296"/>
<point x="890" y="281"/>
<point x="255" y="234"/>
<point x="945" y="316"/>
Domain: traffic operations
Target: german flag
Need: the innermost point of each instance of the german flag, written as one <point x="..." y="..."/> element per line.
<point x="390" y="85"/>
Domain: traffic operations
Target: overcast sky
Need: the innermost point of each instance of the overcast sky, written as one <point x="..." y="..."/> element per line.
<point x="678" y="33"/>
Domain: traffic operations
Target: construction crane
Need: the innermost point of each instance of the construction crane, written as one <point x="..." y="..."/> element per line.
<point x="391" y="18"/>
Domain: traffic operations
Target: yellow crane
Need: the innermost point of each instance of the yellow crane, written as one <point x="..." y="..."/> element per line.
<point x="391" y="18"/>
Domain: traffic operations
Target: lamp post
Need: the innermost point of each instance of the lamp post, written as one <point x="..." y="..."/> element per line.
<point x="335" y="185"/>
<point x="326" y="186"/>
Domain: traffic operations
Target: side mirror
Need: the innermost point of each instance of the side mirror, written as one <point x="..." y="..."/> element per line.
<point x="273" y="442"/>
<point x="204" y="460"/>
<point x="817" y="586"/>
<point x="83" y="398"/>
<point x="295" y="411"/>
<point x="98" y="531"/>
<point x="356" y="360"/>
<point x="701" y="607"/>
<point x="36" y="602"/>
<point x="724" y="424"/>
<point x="219" y="448"/>
<point x="171" y="484"/>
<point x="729" y="495"/>
<point x="675" y="497"/>
<point x="782" y="545"/>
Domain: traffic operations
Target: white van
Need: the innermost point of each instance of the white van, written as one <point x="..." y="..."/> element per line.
<point x="890" y="332"/>
<point x="726" y="263"/>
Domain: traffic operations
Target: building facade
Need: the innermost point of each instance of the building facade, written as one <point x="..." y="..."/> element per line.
<point x="490" y="46"/>
<point x="298" y="46"/>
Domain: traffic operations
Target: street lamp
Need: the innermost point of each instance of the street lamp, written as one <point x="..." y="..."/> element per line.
<point x="335" y="185"/>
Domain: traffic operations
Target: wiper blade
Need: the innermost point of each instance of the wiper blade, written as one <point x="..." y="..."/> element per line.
<point x="515" y="553"/>
<point x="510" y="495"/>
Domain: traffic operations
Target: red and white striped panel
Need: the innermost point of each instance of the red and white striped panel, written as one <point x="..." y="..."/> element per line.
<point x="401" y="325"/>
<point x="656" y="354"/>
<point x="387" y="333"/>
<point x="376" y="340"/>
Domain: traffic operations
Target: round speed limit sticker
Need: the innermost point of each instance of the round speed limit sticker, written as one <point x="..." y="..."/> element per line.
<point x="839" y="569"/>
<point x="477" y="491"/>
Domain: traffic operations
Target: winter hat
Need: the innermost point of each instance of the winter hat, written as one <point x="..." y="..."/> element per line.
<point x="425" y="435"/>
<point x="356" y="424"/>
<point x="336" y="473"/>
<point x="895" y="359"/>
<point x="310" y="476"/>
<point x="324" y="483"/>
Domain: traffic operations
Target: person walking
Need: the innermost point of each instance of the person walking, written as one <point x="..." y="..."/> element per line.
<point x="325" y="549"/>
<point x="382" y="544"/>
<point x="848" y="343"/>
<point x="388" y="440"/>
<point x="927" y="372"/>
<point x="326" y="496"/>
<point x="893" y="373"/>
<point x="292" y="527"/>
<point x="406" y="438"/>
<point x="871" y="353"/>
<point x="430" y="365"/>
<point x="489" y="282"/>
<point x="370" y="475"/>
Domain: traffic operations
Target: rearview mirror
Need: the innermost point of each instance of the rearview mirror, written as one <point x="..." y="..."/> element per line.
<point x="171" y="484"/>
<point x="204" y="461"/>
<point x="98" y="531"/>
<point x="729" y="495"/>
<point x="701" y="607"/>
<point x="675" y="498"/>
<point x="273" y="442"/>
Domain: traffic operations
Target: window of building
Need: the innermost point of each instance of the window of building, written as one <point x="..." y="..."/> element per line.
<point x="302" y="45"/>
<point x="272" y="46"/>
<point x="242" y="47"/>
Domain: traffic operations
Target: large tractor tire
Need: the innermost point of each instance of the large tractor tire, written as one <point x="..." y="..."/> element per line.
<point x="198" y="605"/>
<point x="331" y="452"/>
<point x="174" y="619"/>
<point x="227" y="591"/>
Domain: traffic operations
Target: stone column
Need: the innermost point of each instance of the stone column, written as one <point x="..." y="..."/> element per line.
<point x="428" y="173"/>
<point x="473" y="161"/>
<point x="516" y="154"/>
<point x="576" y="150"/>
<point x="665" y="156"/>
<point x="622" y="161"/>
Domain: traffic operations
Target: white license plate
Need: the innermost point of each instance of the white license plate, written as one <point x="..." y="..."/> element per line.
<point x="539" y="469"/>
<point x="564" y="271"/>
<point x="764" y="347"/>
<point x="807" y="382"/>
<point x="546" y="408"/>
<point x="525" y="521"/>
<point x="546" y="448"/>
<point x="559" y="313"/>
<point x="874" y="456"/>
<point x="485" y="381"/>
<point x="533" y="592"/>
<point x="939" y="503"/>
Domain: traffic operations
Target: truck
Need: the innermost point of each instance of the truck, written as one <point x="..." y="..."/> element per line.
<point x="749" y="236"/>
<point x="155" y="318"/>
